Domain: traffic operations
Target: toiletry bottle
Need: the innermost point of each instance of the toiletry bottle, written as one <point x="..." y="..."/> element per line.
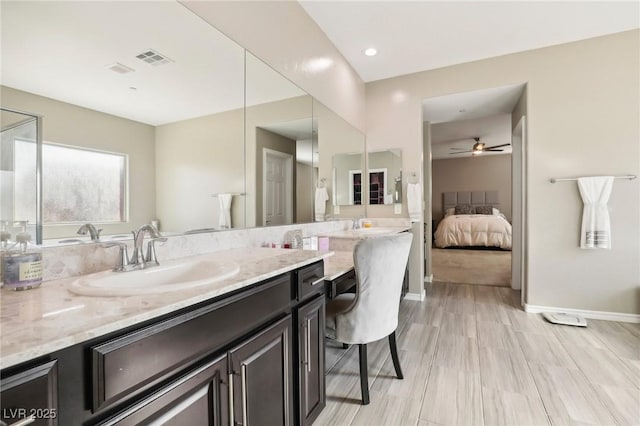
<point x="22" y="263"/>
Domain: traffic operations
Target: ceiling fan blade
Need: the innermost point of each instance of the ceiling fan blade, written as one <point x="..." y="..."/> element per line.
<point x="496" y="146"/>
<point x="493" y="150"/>
<point x="459" y="152"/>
<point x="459" y="149"/>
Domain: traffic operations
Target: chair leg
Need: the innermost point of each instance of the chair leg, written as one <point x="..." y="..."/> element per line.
<point x="345" y="346"/>
<point x="394" y="355"/>
<point x="364" y="375"/>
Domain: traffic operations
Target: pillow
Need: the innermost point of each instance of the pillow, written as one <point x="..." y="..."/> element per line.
<point x="484" y="210"/>
<point x="496" y="212"/>
<point x="464" y="209"/>
<point x="449" y="211"/>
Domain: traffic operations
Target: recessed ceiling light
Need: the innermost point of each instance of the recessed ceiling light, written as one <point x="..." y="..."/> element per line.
<point x="371" y="52"/>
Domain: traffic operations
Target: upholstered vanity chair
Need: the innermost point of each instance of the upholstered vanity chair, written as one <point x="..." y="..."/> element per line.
<point x="372" y="312"/>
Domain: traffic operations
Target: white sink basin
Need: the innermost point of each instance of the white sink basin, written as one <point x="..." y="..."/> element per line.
<point x="174" y="275"/>
<point x="375" y="231"/>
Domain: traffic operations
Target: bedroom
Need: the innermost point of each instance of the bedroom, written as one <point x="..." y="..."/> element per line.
<point x="471" y="201"/>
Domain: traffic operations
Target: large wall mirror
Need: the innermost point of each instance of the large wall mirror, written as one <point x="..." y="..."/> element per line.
<point x="184" y="127"/>
<point x="340" y="158"/>
<point x="384" y="176"/>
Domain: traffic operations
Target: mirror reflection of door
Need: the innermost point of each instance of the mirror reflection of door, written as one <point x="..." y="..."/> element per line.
<point x="355" y="187"/>
<point x="278" y="198"/>
<point x="377" y="185"/>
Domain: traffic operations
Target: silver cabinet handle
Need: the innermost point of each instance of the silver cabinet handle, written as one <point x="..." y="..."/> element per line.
<point x="244" y="393"/>
<point x="316" y="282"/>
<point x="24" y="422"/>
<point x="308" y="345"/>
<point x="231" y="405"/>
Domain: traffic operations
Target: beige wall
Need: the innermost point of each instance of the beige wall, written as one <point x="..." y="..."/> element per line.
<point x="582" y="97"/>
<point x="269" y="140"/>
<point x="69" y="124"/>
<point x="289" y="47"/>
<point x="304" y="202"/>
<point x="259" y="116"/>
<point x="490" y="173"/>
<point x="195" y="159"/>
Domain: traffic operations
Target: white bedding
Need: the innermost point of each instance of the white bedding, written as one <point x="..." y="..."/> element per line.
<point x="474" y="230"/>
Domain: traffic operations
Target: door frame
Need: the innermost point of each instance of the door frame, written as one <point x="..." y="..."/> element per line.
<point x="288" y="184"/>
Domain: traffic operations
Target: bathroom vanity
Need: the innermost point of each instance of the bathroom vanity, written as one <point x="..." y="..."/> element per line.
<point x="249" y="350"/>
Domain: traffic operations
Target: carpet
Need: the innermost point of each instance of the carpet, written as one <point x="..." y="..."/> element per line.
<point x="475" y="267"/>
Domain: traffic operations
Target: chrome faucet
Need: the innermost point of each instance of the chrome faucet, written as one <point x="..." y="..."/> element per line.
<point x="93" y="232"/>
<point x="138" y="259"/>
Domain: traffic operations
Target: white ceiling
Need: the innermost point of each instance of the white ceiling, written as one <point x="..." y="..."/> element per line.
<point x="413" y="36"/>
<point x="61" y="50"/>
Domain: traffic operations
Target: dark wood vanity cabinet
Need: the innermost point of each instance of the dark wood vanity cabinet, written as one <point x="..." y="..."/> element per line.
<point x="30" y="393"/>
<point x="252" y="357"/>
<point x="311" y="369"/>
<point x="200" y="397"/>
<point x="261" y="378"/>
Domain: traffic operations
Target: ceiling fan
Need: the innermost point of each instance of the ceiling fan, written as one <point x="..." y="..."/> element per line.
<point x="479" y="148"/>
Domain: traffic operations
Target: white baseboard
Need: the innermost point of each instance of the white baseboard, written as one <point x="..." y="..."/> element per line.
<point x="599" y="315"/>
<point x="428" y="279"/>
<point x="415" y="296"/>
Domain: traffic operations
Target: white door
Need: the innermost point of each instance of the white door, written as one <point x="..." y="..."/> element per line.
<point x="277" y="195"/>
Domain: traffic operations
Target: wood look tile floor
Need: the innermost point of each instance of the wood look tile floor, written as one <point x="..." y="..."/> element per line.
<point x="471" y="356"/>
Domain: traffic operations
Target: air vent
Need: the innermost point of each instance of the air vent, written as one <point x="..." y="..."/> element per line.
<point x="120" y="68"/>
<point x="154" y="58"/>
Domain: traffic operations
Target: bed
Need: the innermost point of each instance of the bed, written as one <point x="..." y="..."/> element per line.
<point x="472" y="221"/>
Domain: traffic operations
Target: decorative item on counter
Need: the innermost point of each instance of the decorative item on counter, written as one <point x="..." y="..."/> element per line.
<point x="323" y="243"/>
<point x="366" y="224"/>
<point x="22" y="263"/>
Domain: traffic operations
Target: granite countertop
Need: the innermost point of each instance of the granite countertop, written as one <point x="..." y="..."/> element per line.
<point x="339" y="264"/>
<point x="363" y="233"/>
<point x="43" y="320"/>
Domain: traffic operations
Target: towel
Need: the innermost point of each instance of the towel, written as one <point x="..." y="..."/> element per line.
<point x="321" y="203"/>
<point x="414" y="202"/>
<point x="224" y="219"/>
<point x="596" y="227"/>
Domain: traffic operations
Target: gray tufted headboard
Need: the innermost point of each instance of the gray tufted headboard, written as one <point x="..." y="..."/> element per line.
<point x="475" y="198"/>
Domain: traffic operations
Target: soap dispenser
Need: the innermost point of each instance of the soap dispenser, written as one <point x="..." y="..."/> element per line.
<point x="22" y="263"/>
<point x="5" y="243"/>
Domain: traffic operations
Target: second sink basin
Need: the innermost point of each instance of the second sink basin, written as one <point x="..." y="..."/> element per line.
<point x="181" y="274"/>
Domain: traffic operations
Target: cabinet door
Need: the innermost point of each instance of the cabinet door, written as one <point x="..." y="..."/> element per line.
<point x="32" y="394"/>
<point x="200" y="397"/>
<point x="311" y="378"/>
<point x="261" y="372"/>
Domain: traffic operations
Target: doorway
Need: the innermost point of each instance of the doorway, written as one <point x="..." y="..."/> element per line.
<point x="452" y="126"/>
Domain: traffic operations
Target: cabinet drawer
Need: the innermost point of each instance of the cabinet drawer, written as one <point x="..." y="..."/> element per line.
<point x="345" y="283"/>
<point x="310" y="281"/>
<point x="128" y="365"/>
<point x="31" y="393"/>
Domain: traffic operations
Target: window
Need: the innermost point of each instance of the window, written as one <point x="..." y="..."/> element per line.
<point x="79" y="185"/>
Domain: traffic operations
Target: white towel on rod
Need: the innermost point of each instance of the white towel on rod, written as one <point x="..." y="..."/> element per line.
<point x="321" y="203"/>
<point x="596" y="226"/>
<point x="224" y="218"/>
<point x="414" y="201"/>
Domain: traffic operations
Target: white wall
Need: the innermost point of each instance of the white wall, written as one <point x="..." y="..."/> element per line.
<point x="583" y="106"/>
<point x="284" y="36"/>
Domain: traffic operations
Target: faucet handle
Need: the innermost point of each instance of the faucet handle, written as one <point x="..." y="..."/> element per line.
<point x="151" y="257"/>
<point x="123" y="256"/>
